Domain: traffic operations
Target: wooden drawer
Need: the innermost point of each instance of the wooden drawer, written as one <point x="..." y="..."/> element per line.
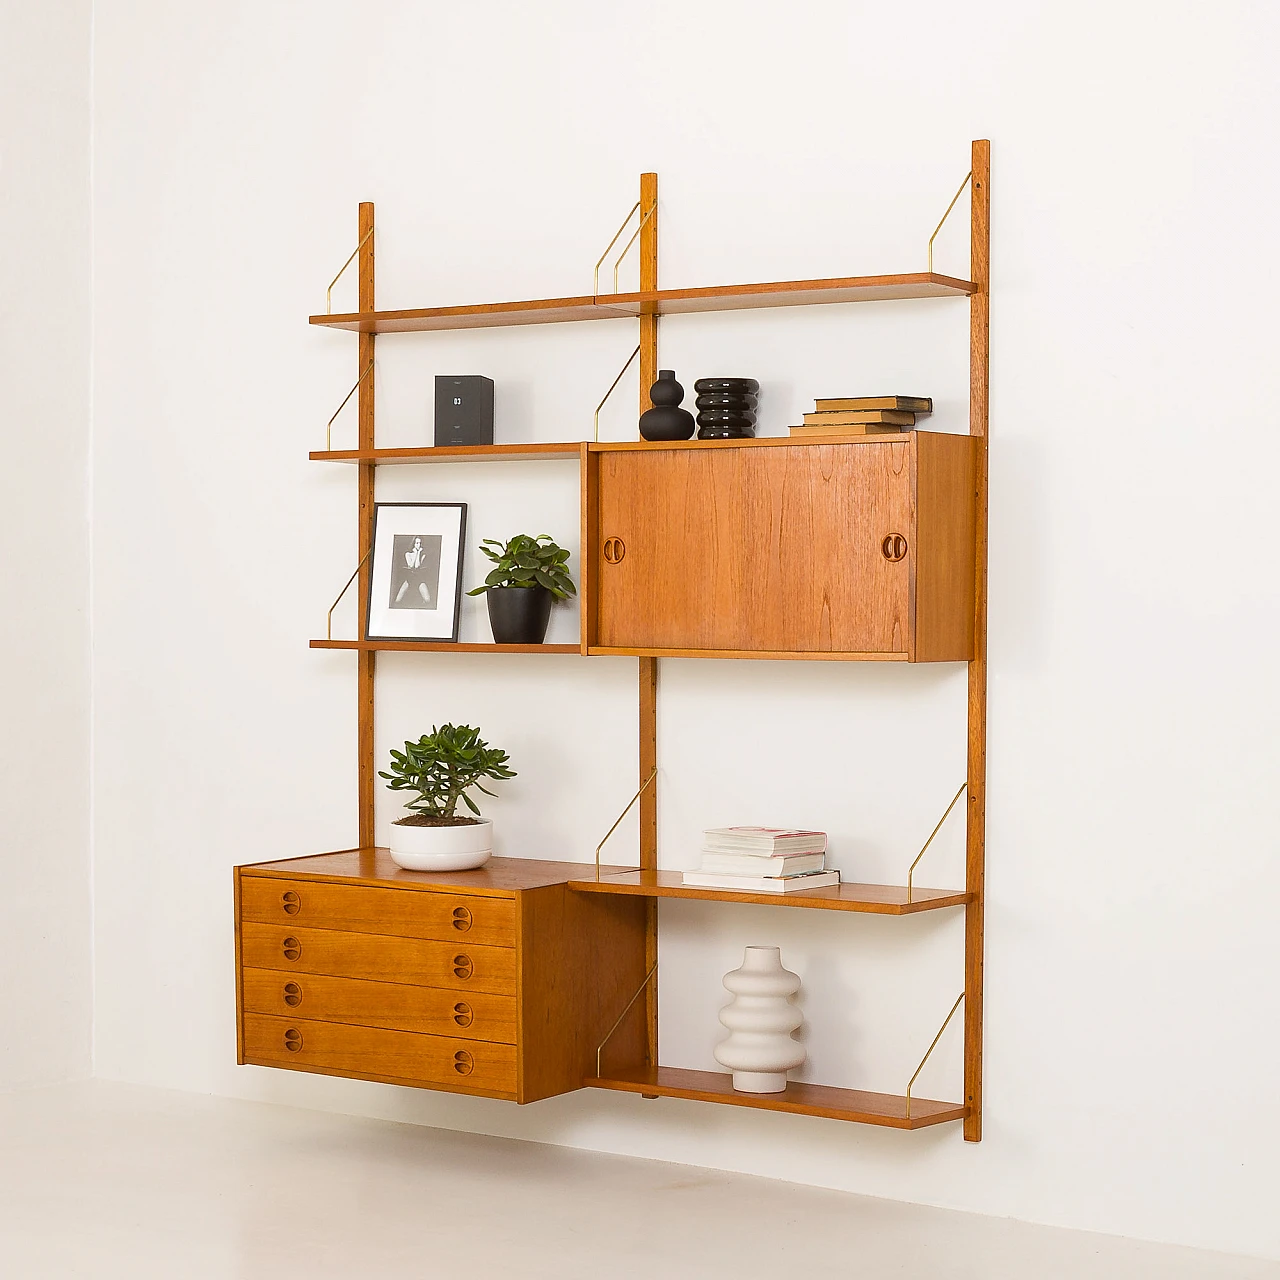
<point x="455" y="966"/>
<point x="402" y="913"/>
<point x="441" y="1062"/>
<point x="430" y="1010"/>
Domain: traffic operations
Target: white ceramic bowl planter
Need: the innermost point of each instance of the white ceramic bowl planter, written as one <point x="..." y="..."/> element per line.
<point x="761" y="1020"/>
<point x="461" y="848"/>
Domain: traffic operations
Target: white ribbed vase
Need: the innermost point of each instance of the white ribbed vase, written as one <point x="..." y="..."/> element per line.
<point x="761" y="1020"/>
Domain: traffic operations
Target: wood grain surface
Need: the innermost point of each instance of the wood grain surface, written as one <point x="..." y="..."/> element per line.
<point x="503" y="876"/>
<point x="885" y="1109"/>
<point x="454" y="966"/>
<point x="753" y="549"/>
<point x="354" y="908"/>
<point x="875" y="899"/>
<point x="976" y="827"/>
<point x="440" y="1062"/>
<point x="393" y="1005"/>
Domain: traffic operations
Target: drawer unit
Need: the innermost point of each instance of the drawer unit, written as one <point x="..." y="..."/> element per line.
<point x="446" y="917"/>
<point x="500" y="981"/>
<point x="430" y="1010"/>
<point x="462" y="1065"/>
<point x="454" y="966"/>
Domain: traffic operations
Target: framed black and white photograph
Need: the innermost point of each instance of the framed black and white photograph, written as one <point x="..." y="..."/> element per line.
<point x="415" y="583"/>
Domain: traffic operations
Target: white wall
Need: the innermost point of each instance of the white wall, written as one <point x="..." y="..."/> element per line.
<point x="45" y="927"/>
<point x="1130" y="957"/>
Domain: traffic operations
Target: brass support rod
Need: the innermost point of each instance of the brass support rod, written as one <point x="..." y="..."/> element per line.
<point x="328" y="429"/>
<point x="652" y="210"/>
<point x="648" y="977"/>
<point x="912" y="870"/>
<point x="622" y="815"/>
<point x="328" y="626"/>
<point x="945" y="216"/>
<point x="607" y="394"/>
<point x="595" y="287"/>
<point x="328" y="297"/>
<point x="946" y="1023"/>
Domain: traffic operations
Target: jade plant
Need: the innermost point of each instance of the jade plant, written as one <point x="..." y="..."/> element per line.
<point x="526" y="561"/>
<point x="441" y="767"/>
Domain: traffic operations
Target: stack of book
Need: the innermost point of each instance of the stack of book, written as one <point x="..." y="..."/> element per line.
<point x="863" y="416"/>
<point x="763" y="860"/>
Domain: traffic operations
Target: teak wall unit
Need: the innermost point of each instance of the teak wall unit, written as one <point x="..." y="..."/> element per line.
<point x="904" y="520"/>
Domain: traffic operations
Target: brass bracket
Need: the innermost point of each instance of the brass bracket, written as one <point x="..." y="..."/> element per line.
<point x="328" y="625"/>
<point x="607" y="394"/>
<point x="946" y="215"/>
<point x="648" y="977"/>
<point x="911" y="871"/>
<point x="622" y="815"/>
<point x="595" y="287"/>
<point x="328" y="428"/>
<point x="328" y="297"/>
<point x="946" y="1023"/>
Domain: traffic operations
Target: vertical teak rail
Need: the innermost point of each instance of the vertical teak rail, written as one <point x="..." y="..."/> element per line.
<point x="649" y="666"/>
<point x="976" y="827"/>
<point x="366" y="657"/>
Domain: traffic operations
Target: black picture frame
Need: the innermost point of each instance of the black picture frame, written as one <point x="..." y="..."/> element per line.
<point x="396" y="522"/>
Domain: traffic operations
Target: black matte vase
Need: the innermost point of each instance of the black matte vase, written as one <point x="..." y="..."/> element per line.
<point x="519" y="615"/>
<point x="726" y="408"/>
<point x="666" y="420"/>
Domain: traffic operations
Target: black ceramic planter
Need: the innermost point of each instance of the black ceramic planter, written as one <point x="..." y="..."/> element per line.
<point x="519" y="615"/>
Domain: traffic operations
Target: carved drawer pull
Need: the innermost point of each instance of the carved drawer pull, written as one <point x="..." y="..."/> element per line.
<point x="292" y="949"/>
<point x="463" y="1063"/>
<point x="894" y="547"/>
<point x="292" y="994"/>
<point x="462" y="967"/>
<point x="293" y="1040"/>
<point x="291" y="902"/>
<point x="462" y="1014"/>
<point x="614" y="550"/>
<point x="461" y="919"/>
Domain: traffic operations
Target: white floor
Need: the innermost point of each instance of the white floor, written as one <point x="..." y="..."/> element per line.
<point x="112" y="1181"/>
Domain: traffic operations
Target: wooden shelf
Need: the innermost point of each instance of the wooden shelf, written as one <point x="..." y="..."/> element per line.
<point x="886" y="1109"/>
<point x="486" y="315"/>
<point x="791" y="293"/>
<point x="449" y="453"/>
<point x="876" y="899"/>
<point x="430" y="646"/>
<point x="655" y="302"/>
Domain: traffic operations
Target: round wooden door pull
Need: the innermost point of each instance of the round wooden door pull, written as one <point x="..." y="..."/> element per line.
<point x="462" y="1014"/>
<point x="463" y="1063"/>
<point x="292" y="949"/>
<point x="462" y="967"/>
<point x="614" y="550"/>
<point x="291" y="902"/>
<point x="292" y="994"/>
<point x="293" y="1040"/>
<point x="461" y="919"/>
<point x="894" y="547"/>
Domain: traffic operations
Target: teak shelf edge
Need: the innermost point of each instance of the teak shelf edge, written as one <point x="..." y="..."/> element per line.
<point x="872" y="899"/>
<point x="652" y="302"/>
<point x="885" y="1109"/>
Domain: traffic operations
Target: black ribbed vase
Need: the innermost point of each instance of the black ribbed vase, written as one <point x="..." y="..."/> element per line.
<point x="726" y="408"/>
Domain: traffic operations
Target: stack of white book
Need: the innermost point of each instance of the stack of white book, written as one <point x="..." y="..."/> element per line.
<point x="763" y="860"/>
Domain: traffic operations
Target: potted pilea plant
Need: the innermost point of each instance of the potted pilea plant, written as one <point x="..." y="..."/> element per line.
<point x="529" y="576"/>
<point x="441" y="767"/>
